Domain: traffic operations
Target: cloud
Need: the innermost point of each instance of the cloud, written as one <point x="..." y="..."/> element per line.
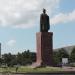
<point x="24" y="13"/>
<point x="11" y="43"/>
<point x="63" y="18"/>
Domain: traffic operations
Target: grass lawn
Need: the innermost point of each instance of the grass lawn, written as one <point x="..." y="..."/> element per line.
<point x="24" y="69"/>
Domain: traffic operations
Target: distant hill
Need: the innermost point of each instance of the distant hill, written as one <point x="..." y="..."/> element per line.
<point x="68" y="48"/>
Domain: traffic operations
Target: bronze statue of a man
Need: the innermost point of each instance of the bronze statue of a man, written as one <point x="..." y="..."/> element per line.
<point x="44" y="22"/>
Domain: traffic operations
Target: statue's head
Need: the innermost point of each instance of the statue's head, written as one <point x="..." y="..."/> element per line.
<point x="44" y="10"/>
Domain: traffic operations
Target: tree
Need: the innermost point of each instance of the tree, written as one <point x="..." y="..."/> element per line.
<point x="62" y="53"/>
<point x="23" y="58"/>
<point x="8" y="59"/>
<point x="1" y="61"/>
<point x="27" y="57"/>
<point x="58" y="55"/>
<point x="19" y="58"/>
<point x="13" y="60"/>
<point x="55" y="57"/>
<point x="72" y="56"/>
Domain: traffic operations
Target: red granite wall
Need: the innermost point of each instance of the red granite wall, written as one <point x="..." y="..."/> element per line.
<point x="44" y="48"/>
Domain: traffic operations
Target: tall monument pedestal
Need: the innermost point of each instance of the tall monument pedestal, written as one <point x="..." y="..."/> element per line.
<point x="44" y="43"/>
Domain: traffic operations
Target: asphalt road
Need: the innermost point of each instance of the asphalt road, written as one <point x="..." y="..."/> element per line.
<point x="59" y="73"/>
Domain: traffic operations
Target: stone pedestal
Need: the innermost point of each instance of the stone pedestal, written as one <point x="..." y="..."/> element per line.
<point x="44" y="43"/>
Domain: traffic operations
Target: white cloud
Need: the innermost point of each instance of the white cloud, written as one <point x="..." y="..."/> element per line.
<point x="63" y="18"/>
<point x="24" y="13"/>
<point x="11" y="43"/>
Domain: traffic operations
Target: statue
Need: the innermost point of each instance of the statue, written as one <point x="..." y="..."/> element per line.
<point x="44" y="22"/>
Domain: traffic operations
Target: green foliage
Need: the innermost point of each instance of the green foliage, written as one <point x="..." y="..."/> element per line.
<point x="72" y="56"/>
<point x="55" y="57"/>
<point x="27" y="57"/>
<point x="8" y="59"/>
<point x="58" y="55"/>
<point x="23" y="58"/>
<point x="1" y="61"/>
<point x="62" y="54"/>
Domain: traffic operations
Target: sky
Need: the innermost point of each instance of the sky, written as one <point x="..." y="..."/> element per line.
<point x="19" y="23"/>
